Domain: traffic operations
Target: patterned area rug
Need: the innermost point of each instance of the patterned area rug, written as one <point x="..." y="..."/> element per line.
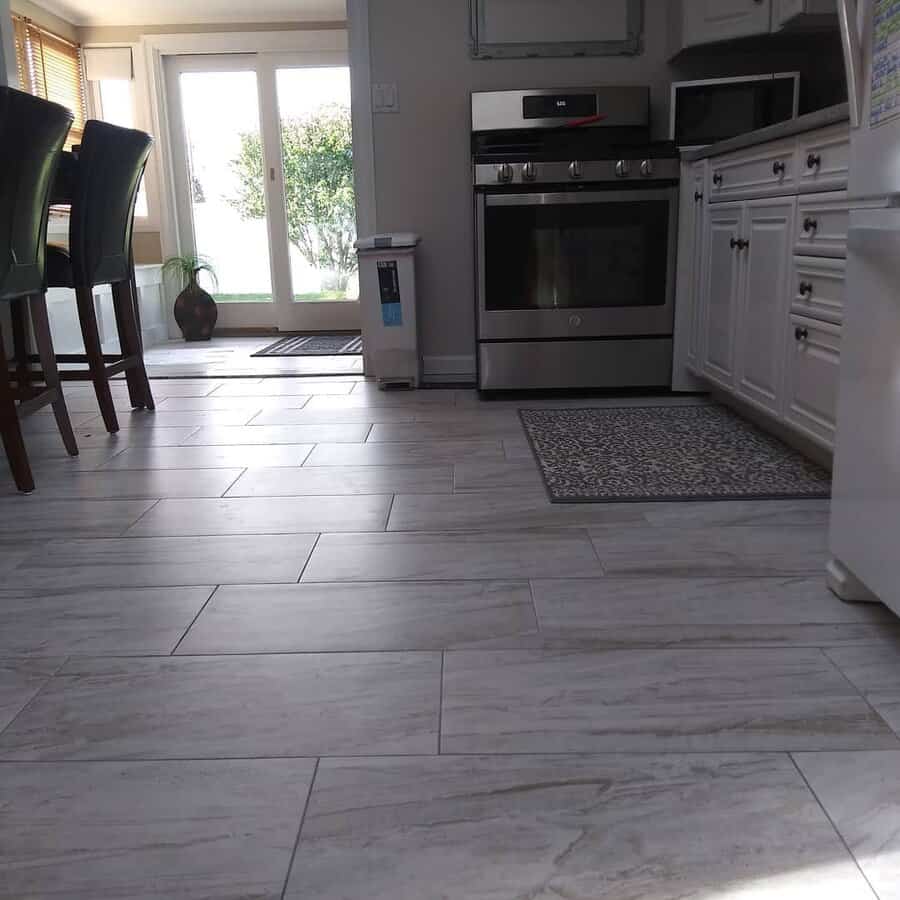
<point x="650" y="453"/>
<point x="348" y="344"/>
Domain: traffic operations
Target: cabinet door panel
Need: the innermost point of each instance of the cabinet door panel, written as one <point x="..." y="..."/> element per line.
<point x="721" y="289"/>
<point x="764" y="303"/>
<point x="696" y="276"/>
<point x="721" y="20"/>
<point x="812" y="377"/>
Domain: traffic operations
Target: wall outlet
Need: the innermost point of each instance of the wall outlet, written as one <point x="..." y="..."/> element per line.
<point x="385" y="98"/>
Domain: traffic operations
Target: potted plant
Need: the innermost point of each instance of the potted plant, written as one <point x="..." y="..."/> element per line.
<point x="195" y="310"/>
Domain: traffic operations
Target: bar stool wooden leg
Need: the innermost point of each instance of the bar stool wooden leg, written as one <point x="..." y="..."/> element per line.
<point x="130" y="342"/>
<point x="94" y="351"/>
<point x="21" y="347"/>
<point x="44" y="341"/>
<point x="11" y="430"/>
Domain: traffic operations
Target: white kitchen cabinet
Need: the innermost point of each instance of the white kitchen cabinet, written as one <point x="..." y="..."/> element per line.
<point x="762" y="306"/>
<point x="823" y="160"/>
<point x="707" y="21"/>
<point x="763" y="171"/>
<point x="813" y="361"/>
<point x="818" y="287"/>
<point x="721" y="291"/>
<point x="691" y="214"/>
<point x="802" y="13"/>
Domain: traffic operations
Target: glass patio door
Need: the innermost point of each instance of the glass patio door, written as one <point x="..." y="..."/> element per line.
<point x="264" y="185"/>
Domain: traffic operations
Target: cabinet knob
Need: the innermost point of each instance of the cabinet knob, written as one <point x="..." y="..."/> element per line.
<point x="806" y="288"/>
<point x="739" y="243"/>
<point x="813" y="161"/>
<point x="810" y="225"/>
<point x="717" y="178"/>
<point x="698" y="196"/>
<point x="778" y="167"/>
<point x="801" y="334"/>
<point x="735" y="243"/>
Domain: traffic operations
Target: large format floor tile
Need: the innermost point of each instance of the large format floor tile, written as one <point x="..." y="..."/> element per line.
<point x="148" y="830"/>
<point x="175" y="418"/>
<point x="689" y="552"/>
<point x="767" y="513"/>
<point x="134" y="484"/>
<point x="496" y="476"/>
<point x="424" y="453"/>
<point x="498" y="510"/>
<point x="653" y="828"/>
<point x="278" y="434"/>
<point x="33" y="516"/>
<point x="20" y="680"/>
<point x="861" y="794"/>
<point x="635" y="611"/>
<point x="470" y="430"/>
<point x="98" y="439"/>
<point x="264" y="515"/>
<point x="280" y="387"/>
<point x="335" y="480"/>
<point x="875" y="671"/>
<point x="241" y="706"/>
<point x="113" y="621"/>
<point x="159" y="562"/>
<point x="455" y="555"/>
<point x="166" y="458"/>
<point x="348" y="415"/>
<point x="515" y="701"/>
<point x="386" y="616"/>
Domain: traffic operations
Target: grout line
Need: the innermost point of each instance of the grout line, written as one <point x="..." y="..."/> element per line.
<point x="309" y="793"/>
<point x="537" y="616"/>
<point x="308" y="558"/>
<point x="862" y="694"/>
<point x="194" y="620"/>
<point x="124" y="532"/>
<point x="225" y="493"/>
<point x="831" y="822"/>
<point x="387" y="520"/>
<point x="37" y="693"/>
<point x="441" y="704"/>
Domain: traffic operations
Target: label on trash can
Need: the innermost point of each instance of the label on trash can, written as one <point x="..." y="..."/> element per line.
<point x="389" y="288"/>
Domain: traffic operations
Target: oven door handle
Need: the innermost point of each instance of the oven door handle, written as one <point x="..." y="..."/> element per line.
<point x="577" y="198"/>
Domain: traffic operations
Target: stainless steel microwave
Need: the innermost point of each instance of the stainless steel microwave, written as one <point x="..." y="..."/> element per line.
<point x="704" y="112"/>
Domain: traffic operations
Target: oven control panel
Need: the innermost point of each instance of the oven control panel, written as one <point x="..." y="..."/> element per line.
<point x="528" y="172"/>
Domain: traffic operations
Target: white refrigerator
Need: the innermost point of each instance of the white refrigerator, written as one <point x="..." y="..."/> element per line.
<point x="865" y="525"/>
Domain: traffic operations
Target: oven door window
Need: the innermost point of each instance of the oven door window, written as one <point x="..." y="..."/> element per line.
<point x="570" y="252"/>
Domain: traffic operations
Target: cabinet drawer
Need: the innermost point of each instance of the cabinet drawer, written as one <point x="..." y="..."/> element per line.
<point x="817" y="288"/>
<point x="823" y="221"/>
<point x="823" y="159"/>
<point x="812" y="374"/>
<point x="765" y="171"/>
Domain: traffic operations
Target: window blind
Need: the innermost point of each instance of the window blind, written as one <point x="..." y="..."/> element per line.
<point x="50" y="67"/>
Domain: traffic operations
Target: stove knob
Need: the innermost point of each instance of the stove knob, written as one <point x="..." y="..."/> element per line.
<point x="504" y="173"/>
<point x="647" y="168"/>
<point x="576" y="170"/>
<point x="623" y="168"/>
<point x="529" y="173"/>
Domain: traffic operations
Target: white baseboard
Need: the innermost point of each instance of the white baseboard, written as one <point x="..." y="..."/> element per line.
<point x="449" y="368"/>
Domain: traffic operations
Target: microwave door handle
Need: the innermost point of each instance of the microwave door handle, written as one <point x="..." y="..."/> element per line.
<point x="848" y="17"/>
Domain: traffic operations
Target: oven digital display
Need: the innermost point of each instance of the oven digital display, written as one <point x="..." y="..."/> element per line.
<point x="559" y="106"/>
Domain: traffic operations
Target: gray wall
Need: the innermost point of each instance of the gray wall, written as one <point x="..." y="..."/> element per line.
<point x="422" y="173"/>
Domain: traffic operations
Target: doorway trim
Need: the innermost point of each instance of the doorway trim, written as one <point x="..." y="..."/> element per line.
<point x="352" y="36"/>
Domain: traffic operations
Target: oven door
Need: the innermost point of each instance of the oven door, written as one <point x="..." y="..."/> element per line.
<point x="576" y="264"/>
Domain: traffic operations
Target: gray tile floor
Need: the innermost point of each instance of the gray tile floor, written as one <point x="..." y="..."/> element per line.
<point x="298" y="638"/>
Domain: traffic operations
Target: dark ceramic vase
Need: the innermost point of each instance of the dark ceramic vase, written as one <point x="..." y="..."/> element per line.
<point x="196" y="312"/>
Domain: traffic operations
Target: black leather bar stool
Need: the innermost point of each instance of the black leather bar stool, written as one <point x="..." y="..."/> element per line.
<point x="32" y="134"/>
<point x="111" y="163"/>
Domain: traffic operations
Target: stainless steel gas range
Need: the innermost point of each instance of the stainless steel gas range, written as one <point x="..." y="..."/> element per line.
<point x="576" y="228"/>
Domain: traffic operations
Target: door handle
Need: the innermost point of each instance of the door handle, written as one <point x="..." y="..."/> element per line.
<point x="813" y="161"/>
<point x="778" y="167"/>
<point x="853" y="61"/>
<point x="810" y="225"/>
<point x="717" y="179"/>
<point x="801" y="334"/>
<point x="739" y="243"/>
<point x="806" y="288"/>
<point x="698" y="196"/>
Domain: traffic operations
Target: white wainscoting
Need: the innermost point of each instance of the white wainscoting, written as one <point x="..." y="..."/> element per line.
<point x="64" y="314"/>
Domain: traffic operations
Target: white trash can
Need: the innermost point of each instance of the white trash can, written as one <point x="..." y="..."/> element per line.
<point x="387" y="293"/>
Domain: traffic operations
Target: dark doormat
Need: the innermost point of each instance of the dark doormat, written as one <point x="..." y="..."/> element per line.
<point x="346" y="344"/>
<point x="614" y="455"/>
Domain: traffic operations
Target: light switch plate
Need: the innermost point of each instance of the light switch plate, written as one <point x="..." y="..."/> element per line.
<point x="385" y="98"/>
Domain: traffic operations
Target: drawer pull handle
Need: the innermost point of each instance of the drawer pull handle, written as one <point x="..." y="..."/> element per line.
<point x="806" y="288"/>
<point x="810" y="225"/>
<point x="801" y="334"/>
<point x="698" y="196"/>
<point x="739" y="244"/>
<point x="778" y="167"/>
<point x="813" y="161"/>
<point x="717" y="179"/>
